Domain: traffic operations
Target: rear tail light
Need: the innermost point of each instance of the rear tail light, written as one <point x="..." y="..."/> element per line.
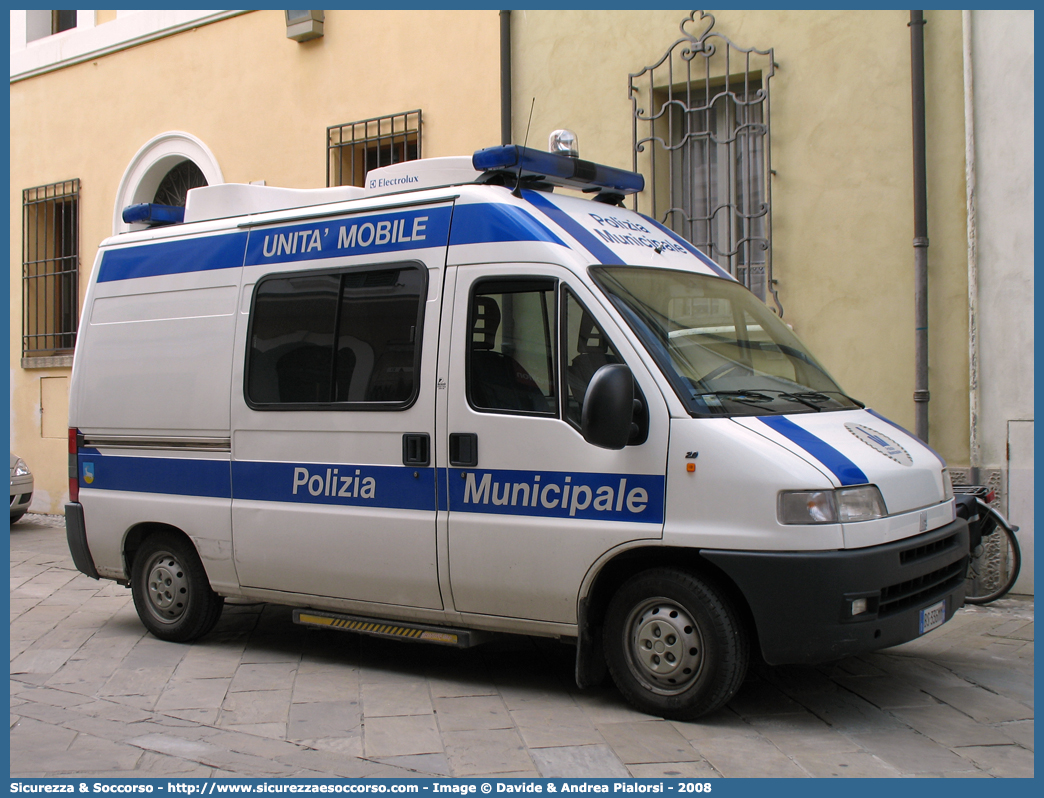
<point x="74" y="468"/>
<point x="990" y="497"/>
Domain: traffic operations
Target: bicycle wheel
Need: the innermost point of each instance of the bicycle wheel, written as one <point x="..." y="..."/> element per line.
<point x="995" y="564"/>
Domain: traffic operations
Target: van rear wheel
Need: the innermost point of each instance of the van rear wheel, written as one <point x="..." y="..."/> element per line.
<point x="171" y="591"/>
<point x="674" y="644"/>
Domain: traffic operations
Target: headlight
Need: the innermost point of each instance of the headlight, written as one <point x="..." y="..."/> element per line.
<point x="860" y="504"/>
<point x="831" y="506"/>
<point x="21" y="469"/>
<point x="947" y="485"/>
<point x="807" y="507"/>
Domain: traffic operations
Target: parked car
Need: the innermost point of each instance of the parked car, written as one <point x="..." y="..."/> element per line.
<point x="21" y="487"/>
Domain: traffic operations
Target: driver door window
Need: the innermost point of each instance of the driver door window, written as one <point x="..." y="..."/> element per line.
<point x="510" y="347"/>
<point x="585" y="350"/>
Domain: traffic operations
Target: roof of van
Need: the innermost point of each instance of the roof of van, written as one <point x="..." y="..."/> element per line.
<point x="501" y="195"/>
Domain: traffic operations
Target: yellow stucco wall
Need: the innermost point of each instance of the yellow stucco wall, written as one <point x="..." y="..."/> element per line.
<point x="260" y="102"/>
<point x="843" y="190"/>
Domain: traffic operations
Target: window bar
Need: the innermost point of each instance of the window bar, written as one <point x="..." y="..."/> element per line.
<point x="652" y="144"/>
<point x="706" y="143"/>
<point x="731" y="187"/>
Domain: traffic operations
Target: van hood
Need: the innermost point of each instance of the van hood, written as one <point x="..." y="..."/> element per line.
<point x="859" y="447"/>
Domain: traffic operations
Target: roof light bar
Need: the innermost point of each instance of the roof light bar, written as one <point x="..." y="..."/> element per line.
<point x="151" y="213"/>
<point x="558" y="170"/>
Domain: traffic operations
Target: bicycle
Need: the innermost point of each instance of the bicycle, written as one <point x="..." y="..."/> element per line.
<point x="996" y="558"/>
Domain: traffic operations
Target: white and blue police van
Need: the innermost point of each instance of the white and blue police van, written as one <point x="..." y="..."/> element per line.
<point x="454" y="403"/>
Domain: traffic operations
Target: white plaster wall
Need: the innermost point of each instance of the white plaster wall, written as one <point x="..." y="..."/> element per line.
<point x="1003" y="61"/>
<point x="87" y="40"/>
<point x="1003" y="58"/>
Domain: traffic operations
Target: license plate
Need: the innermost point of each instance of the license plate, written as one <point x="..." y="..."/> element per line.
<point x="933" y="616"/>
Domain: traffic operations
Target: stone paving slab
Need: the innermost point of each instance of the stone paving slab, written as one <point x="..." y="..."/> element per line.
<point x="92" y="694"/>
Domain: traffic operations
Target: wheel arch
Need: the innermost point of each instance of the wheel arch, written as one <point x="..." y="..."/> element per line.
<point x="607" y="577"/>
<point x="138" y="534"/>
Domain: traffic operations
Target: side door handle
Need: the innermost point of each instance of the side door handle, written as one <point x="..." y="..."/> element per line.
<point x="463" y="449"/>
<point x="416" y="449"/>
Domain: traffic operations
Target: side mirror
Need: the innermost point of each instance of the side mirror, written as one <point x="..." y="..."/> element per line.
<point x="608" y="413"/>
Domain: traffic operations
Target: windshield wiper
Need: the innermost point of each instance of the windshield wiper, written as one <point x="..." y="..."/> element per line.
<point x="749" y="398"/>
<point x="809" y="398"/>
<point x="753" y="396"/>
<point x="854" y="401"/>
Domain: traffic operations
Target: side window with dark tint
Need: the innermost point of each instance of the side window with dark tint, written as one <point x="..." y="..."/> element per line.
<point x="347" y="340"/>
<point x="510" y="347"/>
<point x="586" y="349"/>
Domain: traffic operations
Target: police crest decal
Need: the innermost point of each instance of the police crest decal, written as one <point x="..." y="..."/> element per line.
<point x="880" y="442"/>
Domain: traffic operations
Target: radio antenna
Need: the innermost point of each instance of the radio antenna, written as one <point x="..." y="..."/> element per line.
<point x="518" y="179"/>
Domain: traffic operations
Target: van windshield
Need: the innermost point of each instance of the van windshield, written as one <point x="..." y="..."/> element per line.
<point x="725" y="352"/>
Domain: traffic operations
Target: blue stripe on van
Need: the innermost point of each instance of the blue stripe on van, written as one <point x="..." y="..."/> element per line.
<point x="401" y="231"/>
<point x="572" y="226"/>
<point x="170" y="475"/>
<point x="356" y="235"/>
<point x="875" y="414"/>
<point x="847" y="472"/>
<point x="387" y="487"/>
<point x="692" y="250"/>
<point x="636" y="498"/>
<point x="173" y="257"/>
<point x="489" y="222"/>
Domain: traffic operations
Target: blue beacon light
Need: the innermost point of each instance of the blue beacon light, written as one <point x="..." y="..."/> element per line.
<point x="153" y="214"/>
<point x="558" y="170"/>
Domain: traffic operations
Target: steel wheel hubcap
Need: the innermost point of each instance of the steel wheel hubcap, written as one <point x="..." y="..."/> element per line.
<point x="167" y="587"/>
<point x="664" y="645"/>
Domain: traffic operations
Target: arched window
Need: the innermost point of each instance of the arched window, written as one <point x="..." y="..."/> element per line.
<point x="163" y="171"/>
<point x="175" y="185"/>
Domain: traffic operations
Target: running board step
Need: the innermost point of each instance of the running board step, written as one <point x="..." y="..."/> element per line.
<point x="443" y="635"/>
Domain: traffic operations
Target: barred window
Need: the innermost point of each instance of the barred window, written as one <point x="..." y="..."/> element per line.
<point x="353" y="149"/>
<point x="50" y="268"/>
<point x="701" y="133"/>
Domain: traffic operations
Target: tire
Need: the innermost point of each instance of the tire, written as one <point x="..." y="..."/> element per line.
<point x="674" y="644"/>
<point x="995" y="564"/>
<point x="171" y="591"/>
<point x="15" y="517"/>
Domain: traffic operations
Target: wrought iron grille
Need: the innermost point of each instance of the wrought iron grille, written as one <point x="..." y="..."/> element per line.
<point x="700" y="125"/>
<point x="50" y="268"/>
<point x="176" y="184"/>
<point x="353" y="149"/>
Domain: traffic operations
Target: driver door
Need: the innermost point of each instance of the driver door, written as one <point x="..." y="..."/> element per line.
<point x="532" y="504"/>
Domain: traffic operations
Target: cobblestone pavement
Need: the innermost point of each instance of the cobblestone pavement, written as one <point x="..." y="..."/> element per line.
<point x="93" y="695"/>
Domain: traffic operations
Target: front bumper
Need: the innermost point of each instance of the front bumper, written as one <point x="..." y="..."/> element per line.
<point x="802" y="601"/>
<point x="21" y="494"/>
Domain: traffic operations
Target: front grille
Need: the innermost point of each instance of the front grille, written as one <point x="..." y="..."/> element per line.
<point x="922" y="589"/>
<point x="927" y="550"/>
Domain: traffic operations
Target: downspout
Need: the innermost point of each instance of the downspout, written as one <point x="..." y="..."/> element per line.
<point x="920" y="241"/>
<point x="505" y="77"/>
<point x="974" y="447"/>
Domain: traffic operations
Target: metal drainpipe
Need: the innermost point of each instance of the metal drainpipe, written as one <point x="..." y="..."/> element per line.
<point x="920" y="241"/>
<point x="974" y="446"/>
<point x="505" y="77"/>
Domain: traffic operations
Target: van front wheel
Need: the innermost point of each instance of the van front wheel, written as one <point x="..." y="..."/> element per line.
<point x="674" y="644"/>
<point x="171" y="591"/>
